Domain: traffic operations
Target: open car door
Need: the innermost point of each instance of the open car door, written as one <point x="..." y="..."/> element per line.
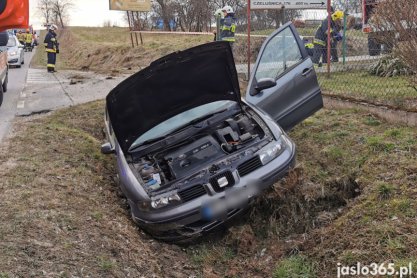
<point x="283" y="82"/>
<point x="14" y="14"/>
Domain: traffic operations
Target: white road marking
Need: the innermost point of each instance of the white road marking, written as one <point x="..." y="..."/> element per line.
<point x="38" y="76"/>
<point x="21" y="104"/>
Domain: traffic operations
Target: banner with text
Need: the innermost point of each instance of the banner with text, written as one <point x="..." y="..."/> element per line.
<point x="131" y="5"/>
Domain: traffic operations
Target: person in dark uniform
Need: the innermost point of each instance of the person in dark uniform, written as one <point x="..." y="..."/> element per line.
<point x="320" y="39"/>
<point x="51" y="47"/>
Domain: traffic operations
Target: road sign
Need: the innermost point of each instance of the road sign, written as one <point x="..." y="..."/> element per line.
<point x="130" y="5"/>
<point x="288" y="4"/>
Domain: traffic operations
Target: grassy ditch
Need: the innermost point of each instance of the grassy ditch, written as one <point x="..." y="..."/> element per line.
<point x="352" y="197"/>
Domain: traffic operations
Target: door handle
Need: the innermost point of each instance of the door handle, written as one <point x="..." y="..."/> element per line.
<point x="307" y="71"/>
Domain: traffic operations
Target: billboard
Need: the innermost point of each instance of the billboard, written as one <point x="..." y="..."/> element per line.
<point x="131" y="5"/>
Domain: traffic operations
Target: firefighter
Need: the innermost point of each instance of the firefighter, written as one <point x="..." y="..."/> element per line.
<point x="28" y="40"/>
<point x="320" y="39"/>
<point x="51" y="47"/>
<point x="20" y="37"/>
<point x="228" y="25"/>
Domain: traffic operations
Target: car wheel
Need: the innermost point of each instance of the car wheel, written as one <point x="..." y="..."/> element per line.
<point x="6" y="81"/>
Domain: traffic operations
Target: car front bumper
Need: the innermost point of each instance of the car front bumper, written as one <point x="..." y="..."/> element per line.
<point x="14" y="60"/>
<point x="188" y="220"/>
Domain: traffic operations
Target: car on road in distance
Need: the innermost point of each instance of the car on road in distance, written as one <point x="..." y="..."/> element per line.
<point x="191" y="153"/>
<point x="15" y="52"/>
<point x="4" y="66"/>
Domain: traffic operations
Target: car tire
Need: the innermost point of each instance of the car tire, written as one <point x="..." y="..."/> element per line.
<point x="6" y="81"/>
<point x="374" y="47"/>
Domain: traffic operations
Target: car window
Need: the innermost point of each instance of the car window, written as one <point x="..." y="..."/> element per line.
<point x="281" y="53"/>
<point x="11" y="42"/>
<point x="182" y="119"/>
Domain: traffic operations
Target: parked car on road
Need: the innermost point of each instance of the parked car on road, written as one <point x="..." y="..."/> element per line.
<point x="191" y="153"/>
<point x="15" y="52"/>
<point x="4" y="67"/>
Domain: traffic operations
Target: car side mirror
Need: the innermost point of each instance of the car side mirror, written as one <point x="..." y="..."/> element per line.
<point x="107" y="148"/>
<point x="20" y="46"/>
<point x="263" y="84"/>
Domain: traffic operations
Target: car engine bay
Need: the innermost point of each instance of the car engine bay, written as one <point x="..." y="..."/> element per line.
<point x="220" y="146"/>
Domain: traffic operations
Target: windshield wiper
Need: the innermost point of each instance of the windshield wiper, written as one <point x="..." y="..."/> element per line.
<point x="205" y="117"/>
<point x="173" y="132"/>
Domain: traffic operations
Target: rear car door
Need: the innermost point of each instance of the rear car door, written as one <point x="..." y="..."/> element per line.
<point x="291" y="92"/>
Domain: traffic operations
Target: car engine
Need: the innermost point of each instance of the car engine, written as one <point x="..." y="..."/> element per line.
<point x="202" y="154"/>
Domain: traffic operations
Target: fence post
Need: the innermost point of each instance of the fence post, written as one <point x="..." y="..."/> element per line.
<point x="329" y="14"/>
<point x="344" y="35"/>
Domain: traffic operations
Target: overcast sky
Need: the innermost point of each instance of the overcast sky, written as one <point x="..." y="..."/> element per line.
<point x="84" y="13"/>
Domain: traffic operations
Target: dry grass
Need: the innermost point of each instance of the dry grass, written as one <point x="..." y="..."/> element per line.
<point x="60" y="211"/>
<point x="62" y="214"/>
<point x="109" y="49"/>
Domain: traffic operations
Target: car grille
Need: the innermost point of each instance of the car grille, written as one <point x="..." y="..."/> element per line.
<point x="214" y="181"/>
<point x="192" y="192"/>
<point x="249" y="166"/>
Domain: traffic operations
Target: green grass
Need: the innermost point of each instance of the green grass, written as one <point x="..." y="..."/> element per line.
<point x="360" y="85"/>
<point x="294" y="267"/>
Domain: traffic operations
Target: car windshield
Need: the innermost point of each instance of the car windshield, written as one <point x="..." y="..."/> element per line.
<point x="11" y="42"/>
<point x="181" y="120"/>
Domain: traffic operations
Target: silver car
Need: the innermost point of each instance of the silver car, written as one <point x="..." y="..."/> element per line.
<point x="15" y="52"/>
<point x="191" y="153"/>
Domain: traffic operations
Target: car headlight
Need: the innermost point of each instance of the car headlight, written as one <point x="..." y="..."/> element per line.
<point x="13" y="53"/>
<point x="160" y="202"/>
<point x="271" y="151"/>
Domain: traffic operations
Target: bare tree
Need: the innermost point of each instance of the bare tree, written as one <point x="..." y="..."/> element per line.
<point x="45" y="7"/>
<point x="396" y="26"/>
<point x="165" y="10"/>
<point x="60" y="10"/>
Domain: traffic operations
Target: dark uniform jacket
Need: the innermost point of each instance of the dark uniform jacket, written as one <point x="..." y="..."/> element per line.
<point x="51" y="43"/>
<point x="228" y="28"/>
<point x="321" y="33"/>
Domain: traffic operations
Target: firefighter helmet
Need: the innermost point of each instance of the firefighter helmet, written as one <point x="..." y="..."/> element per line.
<point x="338" y="15"/>
<point x="53" y="27"/>
<point x="228" y="9"/>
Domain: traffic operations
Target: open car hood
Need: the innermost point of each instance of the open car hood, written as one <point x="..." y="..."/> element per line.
<point x="169" y="86"/>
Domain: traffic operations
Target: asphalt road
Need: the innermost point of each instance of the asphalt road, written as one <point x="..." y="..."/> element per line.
<point x="17" y="81"/>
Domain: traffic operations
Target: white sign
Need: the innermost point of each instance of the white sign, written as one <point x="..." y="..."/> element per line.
<point x="130" y="5"/>
<point x="288" y="4"/>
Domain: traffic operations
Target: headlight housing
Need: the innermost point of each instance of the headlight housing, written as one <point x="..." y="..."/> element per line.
<point x="13" y="53"/>
<point x="271" y="151"/>
<point x="160" y="202"/>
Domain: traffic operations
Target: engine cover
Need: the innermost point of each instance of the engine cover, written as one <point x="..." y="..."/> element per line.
<point x="193" y="156"/>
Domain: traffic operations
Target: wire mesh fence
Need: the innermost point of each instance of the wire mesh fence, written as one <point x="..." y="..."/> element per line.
<point x="364" y="66"/>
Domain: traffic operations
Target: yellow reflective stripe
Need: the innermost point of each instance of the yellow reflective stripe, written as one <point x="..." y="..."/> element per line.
<point x="320" y="42"/>
<point x="229" y="39"/>
<point x="53" y="39"/>
<point x="50" y="50"/>
<point x="50" y="65"/>
<point x="233" y="29"/>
